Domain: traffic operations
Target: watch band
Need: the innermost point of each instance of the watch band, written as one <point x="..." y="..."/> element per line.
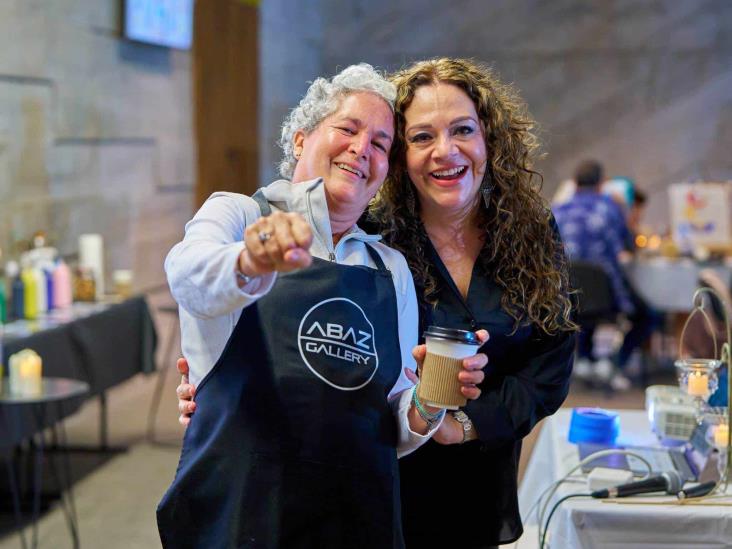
<point x="467" y="425"/>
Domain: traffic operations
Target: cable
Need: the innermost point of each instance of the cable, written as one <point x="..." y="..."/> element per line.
<point x="551" y="513"/>
<point x="554" y="486"/>
<point x="592" y="457"/>
<point x="534" y="505"/>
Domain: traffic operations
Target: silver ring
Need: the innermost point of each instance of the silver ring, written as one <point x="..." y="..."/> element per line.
<point x="264" y="236"/>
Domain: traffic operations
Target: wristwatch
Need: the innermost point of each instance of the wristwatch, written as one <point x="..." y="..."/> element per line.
<point x="467" y="425"/>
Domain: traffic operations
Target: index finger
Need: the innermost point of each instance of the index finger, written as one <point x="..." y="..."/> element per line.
<point x="301" y="231"/>
<point x="483" y="335"/>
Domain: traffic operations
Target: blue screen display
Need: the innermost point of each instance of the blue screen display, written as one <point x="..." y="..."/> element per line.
<point x="162" y="22"/>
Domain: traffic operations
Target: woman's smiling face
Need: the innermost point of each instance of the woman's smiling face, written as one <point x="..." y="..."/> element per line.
<point x="446" y="150"/>
<point x="350" y="150"/>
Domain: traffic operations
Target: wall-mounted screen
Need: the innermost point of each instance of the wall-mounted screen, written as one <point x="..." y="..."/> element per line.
<point x="161" y="22"/>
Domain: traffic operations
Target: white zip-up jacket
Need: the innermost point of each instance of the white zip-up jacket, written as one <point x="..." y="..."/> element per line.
<point x="201" y="271"/>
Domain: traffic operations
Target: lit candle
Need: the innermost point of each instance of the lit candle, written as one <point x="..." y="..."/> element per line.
<point x="26" y="373"/>
<point x="721" y="435"/>
<point x="32" y="374"/>
<point x="698" y="385"/>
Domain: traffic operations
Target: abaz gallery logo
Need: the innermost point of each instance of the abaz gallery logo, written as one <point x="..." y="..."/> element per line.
<point x="336" y="341"/>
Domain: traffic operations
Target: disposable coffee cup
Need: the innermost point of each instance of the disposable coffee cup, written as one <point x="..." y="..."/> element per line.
<point x="438" y="382"/>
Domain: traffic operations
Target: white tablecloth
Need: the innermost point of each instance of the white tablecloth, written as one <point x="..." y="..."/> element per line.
<point x="669" y="284"/>
<point x="590" y="523"/>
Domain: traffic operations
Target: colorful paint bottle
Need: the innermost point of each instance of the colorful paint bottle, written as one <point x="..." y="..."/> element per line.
<point x="30" y="293"/>
<point x="41" y="293"/>
<point x="3" y="304"/>
<point x="62" y="285"/>
<point x="48" y="277"/>
<point x="16" y="308"/>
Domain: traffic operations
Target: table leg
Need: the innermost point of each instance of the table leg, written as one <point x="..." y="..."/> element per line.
<point x="15" y="493"/>
<point x="40" y="413"/>
<point x="65" y="484"/>
<point x="103" y="447"/>
<point x="103" y="419"/>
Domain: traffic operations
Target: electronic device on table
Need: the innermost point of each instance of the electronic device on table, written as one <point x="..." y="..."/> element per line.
<point x="688" y="460"/>
<point x="671" y="412"/>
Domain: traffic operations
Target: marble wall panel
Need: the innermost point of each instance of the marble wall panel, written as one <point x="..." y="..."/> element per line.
<point x="290" y="54"/>
<point x="95" y="134"/>
<point x="24" y="140"/>
<point x="22" y="23"/>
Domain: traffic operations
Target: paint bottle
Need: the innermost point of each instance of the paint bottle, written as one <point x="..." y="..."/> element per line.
<point x="16" y="310"/>
<point x="41" y="290"/>
<point x="2" y="356"/>
<point x="30" y="293"/>
<point x="3" y="303"/>
<point x="62" y="285"/>
<point x="48" y="277"/>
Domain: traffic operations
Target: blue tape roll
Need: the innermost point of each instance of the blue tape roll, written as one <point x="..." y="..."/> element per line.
<point x="594" y="425"/>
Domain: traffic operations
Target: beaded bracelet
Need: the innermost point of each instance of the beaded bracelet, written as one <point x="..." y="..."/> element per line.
<point x="430" y="418"/>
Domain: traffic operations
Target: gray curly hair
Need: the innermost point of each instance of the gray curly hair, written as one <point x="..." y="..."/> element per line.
<point x="323" y="98"/>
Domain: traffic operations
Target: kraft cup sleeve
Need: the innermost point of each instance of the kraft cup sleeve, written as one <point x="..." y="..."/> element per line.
<point x="439" y="384"/>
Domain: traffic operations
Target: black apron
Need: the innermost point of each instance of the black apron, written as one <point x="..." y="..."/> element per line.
<point x="293" y="443"/>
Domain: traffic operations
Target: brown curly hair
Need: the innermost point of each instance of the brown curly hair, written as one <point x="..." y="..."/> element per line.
<point x="521" y="251"/>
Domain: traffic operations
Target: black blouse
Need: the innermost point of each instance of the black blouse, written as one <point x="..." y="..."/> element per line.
<point x="527" y="379"/>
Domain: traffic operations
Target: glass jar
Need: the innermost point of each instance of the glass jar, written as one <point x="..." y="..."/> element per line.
<point x="85" y="288"/>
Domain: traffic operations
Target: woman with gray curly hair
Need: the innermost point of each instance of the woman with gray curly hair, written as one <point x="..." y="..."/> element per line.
<point x="298" y="327"/>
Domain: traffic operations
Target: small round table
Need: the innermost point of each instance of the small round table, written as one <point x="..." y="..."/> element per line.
<point x="46" y="410"/>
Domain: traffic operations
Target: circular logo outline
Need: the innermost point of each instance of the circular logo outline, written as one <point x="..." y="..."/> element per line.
<point x="313" y="370"/>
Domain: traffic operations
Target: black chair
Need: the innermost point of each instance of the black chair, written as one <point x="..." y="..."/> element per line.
<point x="594" y="293"/>
<point x="593" y="298"/>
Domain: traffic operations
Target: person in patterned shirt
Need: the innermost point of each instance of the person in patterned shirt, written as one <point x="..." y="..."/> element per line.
<point x="594" y="229"/>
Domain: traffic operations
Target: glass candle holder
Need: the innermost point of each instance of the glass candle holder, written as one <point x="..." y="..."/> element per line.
<point x="698" y="378"/>
<point x="720" y="439"/>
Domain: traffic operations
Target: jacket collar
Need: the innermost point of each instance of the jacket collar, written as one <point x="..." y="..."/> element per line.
<point x="308" y="199"/>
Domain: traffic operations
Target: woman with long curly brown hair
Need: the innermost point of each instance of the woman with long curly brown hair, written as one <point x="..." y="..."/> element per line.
<point x="462" y="204"/>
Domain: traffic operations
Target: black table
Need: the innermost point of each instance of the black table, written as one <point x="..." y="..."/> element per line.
<point x="58" y="398"/>
<point x="102" y="344"/>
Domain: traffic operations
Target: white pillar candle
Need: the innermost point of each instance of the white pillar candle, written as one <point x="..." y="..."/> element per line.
<point x="91" y="255"/>
<point x="698" y="384"/>
<point x="26" y="371"/>
<point x="721" y="435"/>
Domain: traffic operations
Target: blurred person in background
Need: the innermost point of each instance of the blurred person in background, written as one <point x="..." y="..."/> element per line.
<point x="635" y="216"/>
<point x="594" y="229"/>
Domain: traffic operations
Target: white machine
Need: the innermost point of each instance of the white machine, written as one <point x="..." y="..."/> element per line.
<point x="671" y="413"/>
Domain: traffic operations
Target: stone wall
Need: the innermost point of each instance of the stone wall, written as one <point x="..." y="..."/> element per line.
<point x="291" y="49"/>
<point x="644" y="86"/>
<point x="95" y="134"/>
